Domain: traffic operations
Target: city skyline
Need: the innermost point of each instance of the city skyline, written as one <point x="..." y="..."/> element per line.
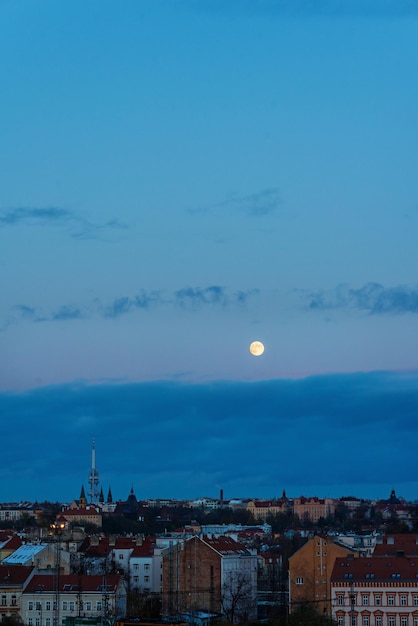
<point x="177" y="181"/>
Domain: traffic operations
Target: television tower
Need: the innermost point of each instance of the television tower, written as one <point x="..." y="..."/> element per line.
<point x="93" y="477"/>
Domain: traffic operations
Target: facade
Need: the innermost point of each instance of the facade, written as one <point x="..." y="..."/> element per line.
<point x="145" y="567"/>
<point x="78" y="596"/>
<point x="13" y="580"/>
<point x="81" y="516"/>
<point x="310" y="571"/>
<point x="375" y="591"/>
<point x="261" y="509"/>
<point x="313" y="509"/>
<point x="210" y="575"/>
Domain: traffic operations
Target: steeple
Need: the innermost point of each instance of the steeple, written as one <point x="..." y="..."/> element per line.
<point x="101" y="496"/>
<point x="83" y="499"/>
<point x="109" y="497"/>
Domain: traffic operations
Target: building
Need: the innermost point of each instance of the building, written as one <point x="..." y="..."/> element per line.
<point x="262" y="509"/>
<point x="13" y="580"/>
<point x="313" y="509"/>
<point x="90" y="597"/>
<point x="209" y="575"/>
<point x="82" y="516"/>
<point x="40" y="555"/>
<point x="375" y="591"/>
<point x="310" y="571"/>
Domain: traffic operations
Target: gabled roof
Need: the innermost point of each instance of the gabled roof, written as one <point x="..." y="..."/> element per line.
<point x="226" y="546"/>
<point x="375" y="568"/>
<point x="13" y="543"/>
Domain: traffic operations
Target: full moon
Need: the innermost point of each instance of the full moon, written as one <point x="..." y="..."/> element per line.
<point x="256" y="348"/>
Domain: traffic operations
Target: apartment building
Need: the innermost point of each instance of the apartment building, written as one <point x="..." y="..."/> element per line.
<point x="78" y="596"/>
<point x="375" y="591"/>
<point x="213" y="575"/>
<point x="313" y="509"/>
<point x="13" y="580"/>
<point x="310" y="570"/>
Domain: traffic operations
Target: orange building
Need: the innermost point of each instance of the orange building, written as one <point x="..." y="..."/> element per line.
<point x="310" y="570"/>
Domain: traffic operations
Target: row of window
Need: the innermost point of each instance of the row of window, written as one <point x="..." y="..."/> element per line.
<point x="343" y="620"/>
<point x="378" y="599"/>
<point x="66" y="605"/>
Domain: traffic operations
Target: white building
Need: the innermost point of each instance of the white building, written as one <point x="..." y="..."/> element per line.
<point x="79" y="596"/>
<point x="375" y="591"/>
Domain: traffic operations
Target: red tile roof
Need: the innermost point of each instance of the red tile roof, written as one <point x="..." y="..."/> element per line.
<point x="226" y="545"/>
<point x="14" y="575"/>
<point x="375" y="568"/>
<point x="73" y="583"/>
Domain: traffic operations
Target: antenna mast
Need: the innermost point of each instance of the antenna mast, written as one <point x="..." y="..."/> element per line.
<point x="93" y="476"/>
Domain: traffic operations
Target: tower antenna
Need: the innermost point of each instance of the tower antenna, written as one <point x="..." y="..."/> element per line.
<point x="93" y="476"/>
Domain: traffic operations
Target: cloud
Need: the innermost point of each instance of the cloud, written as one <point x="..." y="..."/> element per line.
<point x="321" y="435"/>
<point x="79" y="227"/>
<point x="194" y="296"/>
<point x="186" y="298"/>
<point x="372" y="297"/>
<point x="258" y="204"/>
<point x="67" y="312"/>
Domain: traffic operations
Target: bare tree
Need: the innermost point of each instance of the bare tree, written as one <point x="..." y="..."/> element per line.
<point x="238" y="601"/>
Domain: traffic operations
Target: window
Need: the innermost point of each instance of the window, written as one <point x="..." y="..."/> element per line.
<point x="415" y="621"/>
<point x="72" y="605"/>
<point x="99" y="605"/>
<point x="415" y="600"/>
<point x="391" y="600"/>
<point x="48" y="621"/>
<point x="136" y="567"/>
<point x="379" y="620"/>
<point x="365" y="620"/>
<point x="65" y="605"/>
<point x="146" y="579"/>
<point x="340" y="620"/>
<point x="30" y="606"/>
<point x="38" y="606"/>
<point x="340" y="600"/>
<point x="403" y="600"/>
<point x="365" y="600"/>
<point x="404" y="620"/>
<point x="88" y="605"/>
<point x="120" y="557"/>
<point x="299" y="580"/>
<point x="48" y="605"/>
<point x="14" y="600"/>
<point x="136" y="579"/>
<point x="146" y="567"/>
<point x="37" y="621"/>
<point x="30" y="621"/>
<point x="378" y="600"/>
<point x="391" y="621"/>
<point x="3" y="601"/>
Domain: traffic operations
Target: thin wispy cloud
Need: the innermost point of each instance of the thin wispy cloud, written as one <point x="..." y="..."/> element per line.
<point x="186" y="298"/>
<point x="372" y="298"/>
<point x="77" y="225"/>
<point x="260" y="204"/>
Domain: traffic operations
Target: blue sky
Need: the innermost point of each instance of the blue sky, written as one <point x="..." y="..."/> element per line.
<point x="178" y="179"/>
